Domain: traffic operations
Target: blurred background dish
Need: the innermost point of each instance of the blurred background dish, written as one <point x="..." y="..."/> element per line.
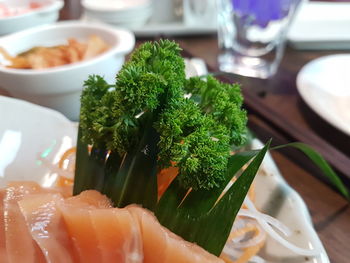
<point x="324" y="84"/>
<point x="127" y="13"/>
<point x="317" y="25"/>
<point x="321" y="25"/>
<point x="150" y="18"/>
<point x="60" y="87"/>
<point x="22" y="14"/>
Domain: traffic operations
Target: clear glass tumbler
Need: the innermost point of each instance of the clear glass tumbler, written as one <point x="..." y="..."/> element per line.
<point x="252" y="35"/>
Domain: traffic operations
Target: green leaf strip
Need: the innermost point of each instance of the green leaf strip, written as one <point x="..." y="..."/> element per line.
<point x="320" y="162"/>
<point x="210" y="227"/>
<point x="201" y="201"/>
<point x="218" y="221"/>
<point x="166" y="209"/>
<point x="89" y="171"/>
<point x="113" y="163"/>
<point x="81" y="168"/>
<point x="137" y="177"/>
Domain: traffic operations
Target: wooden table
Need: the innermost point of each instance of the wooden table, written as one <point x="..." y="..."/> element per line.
<point x="293" y="120"/>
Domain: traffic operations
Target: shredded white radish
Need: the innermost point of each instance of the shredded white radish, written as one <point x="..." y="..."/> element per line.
<point x="264" y="224"/>
<point x="54" y="169"/>
<point x="273" y="234"/>
<point x="239" y="223"/>
<point x="232" y="252"/>
<point x="269" y="219"/>
<point x="242" y="242"/>
<point x="257" y="259"/>
<point x="251" y="235"/>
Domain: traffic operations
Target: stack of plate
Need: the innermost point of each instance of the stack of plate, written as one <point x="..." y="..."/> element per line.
<point x="126" y="13"/>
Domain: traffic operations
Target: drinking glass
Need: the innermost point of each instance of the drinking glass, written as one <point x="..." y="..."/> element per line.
<point x="252" y="35"/>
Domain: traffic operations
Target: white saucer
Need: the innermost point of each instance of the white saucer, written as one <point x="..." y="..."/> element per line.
<point x="324" y="84"/>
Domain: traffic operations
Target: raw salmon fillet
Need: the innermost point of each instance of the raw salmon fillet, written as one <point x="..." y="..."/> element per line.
<point x="129" y="235"/>
<point x="161" y="245"/>
<point x="3" y="255"/>
<point x="20" y="246"/>
<point x="118" y="235"/>
<point x="76" y="213"/>
<point x="43" y="226"/>
<point x="45" y="223"/>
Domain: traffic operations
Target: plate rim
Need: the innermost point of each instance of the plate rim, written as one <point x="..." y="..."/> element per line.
<point x="302" y="89"/>
<point x="270" y="165"/>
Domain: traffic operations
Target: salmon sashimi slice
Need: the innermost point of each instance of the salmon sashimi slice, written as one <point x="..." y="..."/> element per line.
<point x="182" y="251"/>
<point x="118" y="235"/>
<point x="154" y="241"/>
<point x="161" y="245"/>
<point x="75" y="211"/>
<point x="20" y="246"/>
<point x="85" y="228"/>
<point x="3" y="254"/>
<point x="45" y="223"/>
<point x="65" y="191"/>
<point x="90" y="199"/>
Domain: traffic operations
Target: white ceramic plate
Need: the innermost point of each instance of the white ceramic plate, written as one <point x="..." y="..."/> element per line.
<point x="32" y="138"/>
<point x="28" y="134"/>
<point x="324" y="84"/>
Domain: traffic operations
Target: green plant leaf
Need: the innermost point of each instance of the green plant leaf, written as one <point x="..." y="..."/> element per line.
<point x="111" y="169"/>
<point x="135" y="180"/>
<point x="89" y="170"/>
<point x="227" y="208"/>
<point x="128" y="179"/>
<point x="209" y="228"/>
<point x="201" y="201"/>
<point x="319" y="161"/>
<point x="166" y="210"/>
<point x="81" y="166"/>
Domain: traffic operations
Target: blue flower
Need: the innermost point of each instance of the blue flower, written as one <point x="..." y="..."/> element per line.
<point x="261" y="12"/>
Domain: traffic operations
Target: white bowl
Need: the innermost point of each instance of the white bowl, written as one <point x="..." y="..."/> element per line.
<point x="126" y="13"/>
<point x="60" y="87"/>
<point x="120" y="6"/>
<point x="125" y="22"/>
<point x="46" y="14"/>
<point x="113" y="16"/>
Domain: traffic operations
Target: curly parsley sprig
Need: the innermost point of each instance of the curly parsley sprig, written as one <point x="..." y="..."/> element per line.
<point x="194" y="135"/>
